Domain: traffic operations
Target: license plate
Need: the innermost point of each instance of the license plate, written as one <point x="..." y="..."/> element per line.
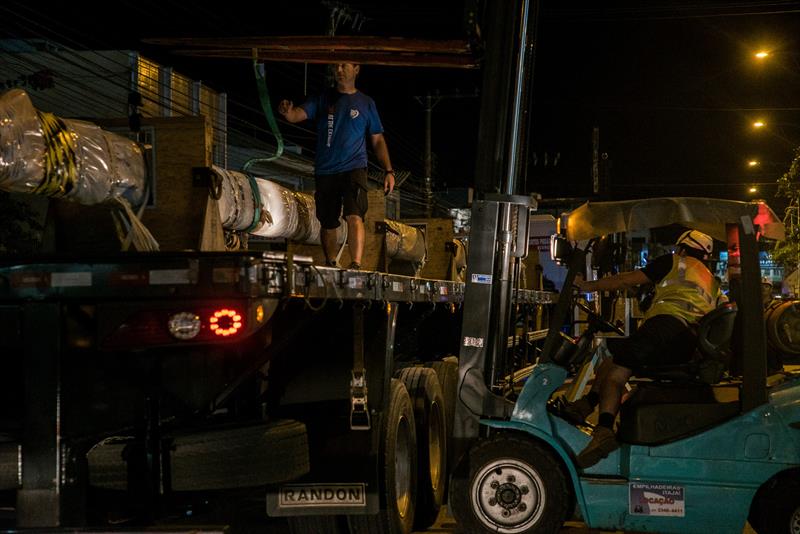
<point x="322" y="495"/>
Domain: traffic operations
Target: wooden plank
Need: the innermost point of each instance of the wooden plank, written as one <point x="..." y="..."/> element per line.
<point x="305" y="43"/>
<point x="343" y="56"/>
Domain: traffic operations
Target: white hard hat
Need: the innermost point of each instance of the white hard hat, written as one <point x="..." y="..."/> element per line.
<point x="697" y="240"/>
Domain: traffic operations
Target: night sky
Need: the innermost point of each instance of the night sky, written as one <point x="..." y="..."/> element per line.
<point x="672" y="86"/>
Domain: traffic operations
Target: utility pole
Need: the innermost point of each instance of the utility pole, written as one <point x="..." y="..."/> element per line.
<point x="428" y="155"/>
<point x="429" y="102"/>
<point x="596" y="160"/>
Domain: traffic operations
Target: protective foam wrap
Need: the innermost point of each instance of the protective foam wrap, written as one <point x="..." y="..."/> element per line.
<point x="46" y="155"/>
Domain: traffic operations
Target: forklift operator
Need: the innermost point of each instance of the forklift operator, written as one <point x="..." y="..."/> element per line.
<point x="686" y="290"/>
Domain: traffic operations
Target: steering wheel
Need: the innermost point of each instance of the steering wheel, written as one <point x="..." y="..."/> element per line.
<point x="605" y="326"/>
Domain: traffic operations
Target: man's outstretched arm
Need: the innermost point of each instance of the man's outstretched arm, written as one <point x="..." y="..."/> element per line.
<point x="291" y="112"/>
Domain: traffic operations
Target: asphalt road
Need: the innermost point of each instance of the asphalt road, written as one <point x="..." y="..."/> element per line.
<point x="447" y="525"/>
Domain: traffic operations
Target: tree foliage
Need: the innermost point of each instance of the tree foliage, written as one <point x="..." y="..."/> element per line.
<point x="787" y="252"/>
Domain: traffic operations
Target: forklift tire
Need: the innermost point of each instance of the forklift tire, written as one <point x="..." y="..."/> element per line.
<point x="777" y="506"/>
<point x="429" y="415"/>
<point x="447" y="373"/>
<point x="509" y="484"/>
<point x="398" y="474"/>
<point x="219" y="459"/>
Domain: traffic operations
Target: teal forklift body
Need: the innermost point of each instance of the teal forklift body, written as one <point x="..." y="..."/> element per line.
<point x="701" y="483"/>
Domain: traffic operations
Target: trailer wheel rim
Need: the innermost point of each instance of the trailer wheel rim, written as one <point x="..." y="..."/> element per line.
<point x="508" y="495"/>
<point x="434" y="444"/>
<point x="794" y="522"/>
<point x="402" y="467"/>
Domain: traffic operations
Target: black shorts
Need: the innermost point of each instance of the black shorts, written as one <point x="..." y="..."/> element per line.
<point x="660" y="340"/>
<point x="346" y="190"/>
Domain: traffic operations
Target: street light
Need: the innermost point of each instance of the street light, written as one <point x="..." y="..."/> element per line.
<point x="753" y="163"/>
<point x="752" y="189"/>
<point x="780" y="55"/>
<point x="776" y="129"/>
<point x="761" y="123"/>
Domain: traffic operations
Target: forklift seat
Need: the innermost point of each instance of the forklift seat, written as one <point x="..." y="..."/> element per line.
<point x="712" y="356"/>
<point x="681" y="401"/>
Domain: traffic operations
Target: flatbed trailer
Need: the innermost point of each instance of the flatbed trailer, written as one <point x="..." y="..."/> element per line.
<point x="148" y="379"/>
<point x="152" y="383"/>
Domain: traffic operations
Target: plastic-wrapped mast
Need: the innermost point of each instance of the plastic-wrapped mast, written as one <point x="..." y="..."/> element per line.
<point x="76" y="160"/>
<point x="276" y="212"/>
<point x="267" y="209"/>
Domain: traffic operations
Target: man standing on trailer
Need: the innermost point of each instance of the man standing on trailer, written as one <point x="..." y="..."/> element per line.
<point x="344" y="117"/>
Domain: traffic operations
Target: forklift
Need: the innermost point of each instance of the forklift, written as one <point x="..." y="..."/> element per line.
<point x="700" y="451"/>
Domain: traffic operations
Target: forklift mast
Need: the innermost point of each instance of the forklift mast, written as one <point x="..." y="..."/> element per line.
<point x="500" y="219"/>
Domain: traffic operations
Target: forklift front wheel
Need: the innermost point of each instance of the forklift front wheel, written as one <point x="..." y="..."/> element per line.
<point x="511" y="485"/>
<point x="777" y="506"/>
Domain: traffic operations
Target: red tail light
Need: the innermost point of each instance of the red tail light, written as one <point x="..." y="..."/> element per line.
<point x="186" y="324"/>
<point x="225" y="322"/>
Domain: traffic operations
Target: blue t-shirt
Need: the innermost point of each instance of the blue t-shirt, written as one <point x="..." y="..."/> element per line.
<point x="343" y="122"/>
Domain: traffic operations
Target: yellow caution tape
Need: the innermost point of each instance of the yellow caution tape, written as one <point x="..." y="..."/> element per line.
<point x="60" y="167"/>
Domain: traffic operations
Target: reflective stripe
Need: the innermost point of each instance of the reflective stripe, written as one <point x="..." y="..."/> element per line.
<point x="688" y="306"/>
<point x="691" y="285"/>
<point x="682" y="281"/>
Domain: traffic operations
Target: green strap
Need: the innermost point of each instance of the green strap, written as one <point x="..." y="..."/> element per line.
<point x="257" y="207"/>
<point x="263" y="96"/>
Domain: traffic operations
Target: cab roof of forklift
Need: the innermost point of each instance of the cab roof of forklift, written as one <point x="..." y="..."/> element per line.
<point x="709" y="215"/>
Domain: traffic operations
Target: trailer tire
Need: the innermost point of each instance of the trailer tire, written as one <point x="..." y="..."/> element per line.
<point x="429" y="415"/>
<point x="447" y="373"/>
<point x="509" y="484"/>
<point x="398" y="469"/>
<point x="9" y="465"/>
<point x="223" y="458"/>
<point x="241" y="457"/>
